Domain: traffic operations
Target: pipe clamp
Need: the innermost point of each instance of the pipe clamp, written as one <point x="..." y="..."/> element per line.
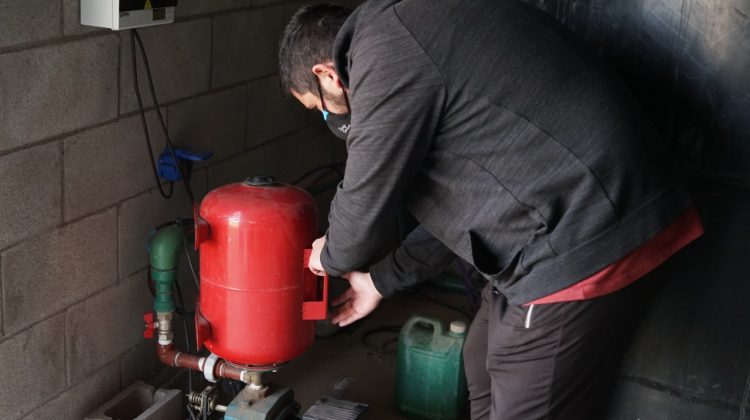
<point x="208" y="367"/>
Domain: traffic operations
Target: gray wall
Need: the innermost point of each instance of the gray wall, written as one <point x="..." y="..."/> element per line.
<point x="77" y="193"/>
<point x="688" y="61"/>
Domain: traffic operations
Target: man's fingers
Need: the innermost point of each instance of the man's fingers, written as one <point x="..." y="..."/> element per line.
<point x="344" y="312"/>
<point x="342" y="298"/>
<point x="346" y="315"/>
<point x="351" y="319"/>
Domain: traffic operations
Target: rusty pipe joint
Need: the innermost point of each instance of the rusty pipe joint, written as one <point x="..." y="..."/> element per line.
<point x="255" y="390"/>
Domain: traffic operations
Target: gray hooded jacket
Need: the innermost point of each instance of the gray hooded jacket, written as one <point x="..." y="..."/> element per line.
<point x="514" y="146"/>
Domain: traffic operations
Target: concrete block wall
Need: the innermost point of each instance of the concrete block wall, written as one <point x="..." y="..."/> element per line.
<point x="77" y="194"/>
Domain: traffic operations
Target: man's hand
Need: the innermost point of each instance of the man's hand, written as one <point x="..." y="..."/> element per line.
<point x="314" y="264"/>
<point x="359" y="300"/>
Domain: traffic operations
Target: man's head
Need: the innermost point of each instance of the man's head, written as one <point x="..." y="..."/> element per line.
<point x="306" y="57"/>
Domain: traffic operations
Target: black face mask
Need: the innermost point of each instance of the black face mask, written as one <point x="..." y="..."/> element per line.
<point x="339" y="124"/>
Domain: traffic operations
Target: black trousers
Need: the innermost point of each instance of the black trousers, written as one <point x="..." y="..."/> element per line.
<point x="551" y="361"/>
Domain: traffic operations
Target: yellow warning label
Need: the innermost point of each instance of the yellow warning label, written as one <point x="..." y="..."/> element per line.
<point x="148" y="5"/>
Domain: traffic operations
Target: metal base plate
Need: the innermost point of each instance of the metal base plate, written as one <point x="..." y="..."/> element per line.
<point x="334" y="409"/>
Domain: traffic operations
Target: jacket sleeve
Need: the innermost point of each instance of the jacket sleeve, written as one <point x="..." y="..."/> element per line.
<point x="397" y="97"/>
<point x="420" y="257"/>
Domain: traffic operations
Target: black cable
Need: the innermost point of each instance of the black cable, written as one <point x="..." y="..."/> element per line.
<point x="190" y="261"/>
<point x="320" y="178"/>
<point x="183" y="314"/>
<point x="164" y="194"/>
<point x="134" y="36"/>
<point x="383" y="347"/>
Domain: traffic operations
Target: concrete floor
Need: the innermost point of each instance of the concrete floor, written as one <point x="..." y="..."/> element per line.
<point x="343" y="366"/>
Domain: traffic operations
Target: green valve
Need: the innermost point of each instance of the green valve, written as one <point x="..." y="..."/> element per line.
<point x="166" y="246"/>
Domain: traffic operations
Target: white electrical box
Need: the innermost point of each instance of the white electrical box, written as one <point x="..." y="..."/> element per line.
<point x="127" y="14"/>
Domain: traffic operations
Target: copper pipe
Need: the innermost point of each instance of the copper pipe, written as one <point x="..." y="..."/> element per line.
<point x="171" y="357"/>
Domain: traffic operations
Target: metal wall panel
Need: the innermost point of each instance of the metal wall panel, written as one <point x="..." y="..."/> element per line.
<point x="688" y="62"/>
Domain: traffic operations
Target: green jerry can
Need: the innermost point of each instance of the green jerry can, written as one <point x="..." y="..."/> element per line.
<point x="430" y="380"/>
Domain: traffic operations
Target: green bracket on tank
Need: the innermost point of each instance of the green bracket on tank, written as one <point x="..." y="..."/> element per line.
<point x="166" y="246"/>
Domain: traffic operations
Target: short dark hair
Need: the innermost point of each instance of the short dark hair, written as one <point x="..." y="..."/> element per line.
<point x="308" y="40"/>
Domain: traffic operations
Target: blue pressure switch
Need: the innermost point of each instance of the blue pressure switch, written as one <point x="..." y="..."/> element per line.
<point x="169" y="170"/>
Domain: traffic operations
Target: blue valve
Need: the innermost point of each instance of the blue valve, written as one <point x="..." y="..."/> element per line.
<point x="169" y="170"/>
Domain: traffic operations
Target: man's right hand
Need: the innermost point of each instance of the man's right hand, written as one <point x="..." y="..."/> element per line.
<point x="314" y="263"/>
<point x="358" y="301"/>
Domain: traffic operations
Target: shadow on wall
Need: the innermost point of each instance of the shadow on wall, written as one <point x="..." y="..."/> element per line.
<point x="688" y="62"/>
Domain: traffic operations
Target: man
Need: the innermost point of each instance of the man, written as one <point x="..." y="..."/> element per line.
<point x="518" y="151"/>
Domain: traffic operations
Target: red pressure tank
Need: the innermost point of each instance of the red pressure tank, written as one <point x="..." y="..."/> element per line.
<point x="257" y="298"/>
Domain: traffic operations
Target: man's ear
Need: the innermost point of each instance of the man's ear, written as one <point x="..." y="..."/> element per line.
<point x="326" y="73"/>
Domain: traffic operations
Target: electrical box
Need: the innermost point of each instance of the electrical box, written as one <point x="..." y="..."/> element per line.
<point x="127" y="14"/>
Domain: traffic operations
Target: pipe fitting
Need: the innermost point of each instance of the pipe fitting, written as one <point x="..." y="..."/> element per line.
<point x="166" y="246"/>
<point x="208" y="367"/>
<point x="164" y="327"/>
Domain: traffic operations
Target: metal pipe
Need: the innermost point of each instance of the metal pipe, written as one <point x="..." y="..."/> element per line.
<point x="175" y="358"/>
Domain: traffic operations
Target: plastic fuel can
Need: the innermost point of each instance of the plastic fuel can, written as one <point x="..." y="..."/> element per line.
<point x="430" y="380"/>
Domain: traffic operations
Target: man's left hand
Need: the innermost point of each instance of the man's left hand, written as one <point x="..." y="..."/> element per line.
<point x="314" y="264"/>
<point x="358" y="301"/>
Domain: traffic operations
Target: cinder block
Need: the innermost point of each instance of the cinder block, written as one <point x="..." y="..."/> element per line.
<point x="258" y="161"/>
<point x="141" y="364"/>
<point x="215" y="122"/>
<point x="141" y="214"/>
<point x="28" y="20"/>
<point x="245" y="45"/>
<point x="290" y="8"/>
<point x="270" y="114"/>
<point x="108" y="164"/>
<point x="32" y="363"/>
<point x="200" y="183"/>
<point x="51" y="90"/>
<point x="304" y="150"/>
<point x="197" y="7"/>
<point x="30" y="181"/>
<point x="141" y="402"/>
<point x="48" y="273"/>
<point x="266" y="2"/>
<point x="72" y="19"/>
<point x="352" y="4"/>
<point x="180" y="59"/>
<point x="103" y="327"/>
<point x="74" y="403"/>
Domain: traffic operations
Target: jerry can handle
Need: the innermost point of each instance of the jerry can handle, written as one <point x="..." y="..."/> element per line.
<point x="315" y="310"/>
<point x="437" y="325"/>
